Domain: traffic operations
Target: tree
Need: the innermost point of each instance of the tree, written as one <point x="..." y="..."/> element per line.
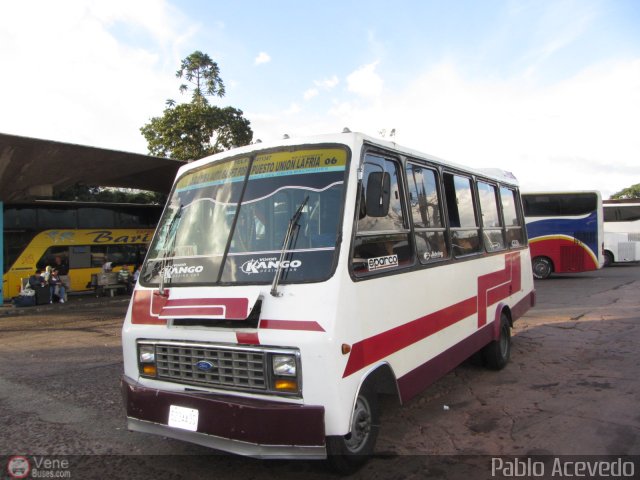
<point x="630" y="192"/>
<point x="91" y="193"/>
<point x="199" y="69"/>
<point x="196" y="129"/>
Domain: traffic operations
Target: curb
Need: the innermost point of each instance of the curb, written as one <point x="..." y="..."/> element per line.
<point x="10" y="310"/>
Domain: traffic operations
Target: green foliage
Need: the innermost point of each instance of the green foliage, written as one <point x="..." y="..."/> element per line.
<point x="201" y="71"/>
<point x="87" y="193"/>
<point x="193" y="130"/>
<point x="630" y="192"/>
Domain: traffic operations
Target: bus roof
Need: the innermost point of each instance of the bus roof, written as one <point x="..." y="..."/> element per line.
<point x="621" y="201"/>
<point x="351" y="139"/>
<point x="563" y="192"/>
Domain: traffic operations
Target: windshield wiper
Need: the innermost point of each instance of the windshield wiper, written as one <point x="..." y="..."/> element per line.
<point x="293" y="225"/>
<point x="170" y="242"/>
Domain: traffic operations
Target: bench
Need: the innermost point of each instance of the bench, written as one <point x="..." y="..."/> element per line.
<point x="112" y="289"/>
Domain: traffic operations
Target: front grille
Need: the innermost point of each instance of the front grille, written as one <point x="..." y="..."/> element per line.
<point x="229" y="368"/>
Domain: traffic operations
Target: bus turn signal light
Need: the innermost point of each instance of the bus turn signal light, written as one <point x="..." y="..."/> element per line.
<point x="287" y="385"/>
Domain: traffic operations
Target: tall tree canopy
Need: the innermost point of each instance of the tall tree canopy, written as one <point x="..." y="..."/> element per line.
<point x="193" y="130"/>
<point x="630" y="192"/>
<point x="202" y="72"/>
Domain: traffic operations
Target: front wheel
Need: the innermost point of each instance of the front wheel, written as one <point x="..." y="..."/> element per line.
<point x="542" y="268"/>
<point x="498" y="352"/>
<point x="348" y="453"/>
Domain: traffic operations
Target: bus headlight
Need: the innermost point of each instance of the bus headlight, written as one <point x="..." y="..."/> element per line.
<point x="284" y="365"/>
<point x="147" y="360"/>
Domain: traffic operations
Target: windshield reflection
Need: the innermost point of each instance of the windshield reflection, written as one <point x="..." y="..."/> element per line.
<point x="232" y="225"/>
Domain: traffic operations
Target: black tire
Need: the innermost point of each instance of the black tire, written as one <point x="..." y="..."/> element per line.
<point x="348" y="453"/>
<point x="542" y="268"/>
<point x="498" y="352"/>
<point x="608" y="258"/>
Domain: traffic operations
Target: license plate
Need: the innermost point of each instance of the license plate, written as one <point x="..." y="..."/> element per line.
<point x="182" y="417"/>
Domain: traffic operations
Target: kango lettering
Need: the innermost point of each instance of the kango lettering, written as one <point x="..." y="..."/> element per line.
<point x="263" y="265"/>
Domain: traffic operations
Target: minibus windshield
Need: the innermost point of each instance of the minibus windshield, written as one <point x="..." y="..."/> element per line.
<point x="226" y="223"/>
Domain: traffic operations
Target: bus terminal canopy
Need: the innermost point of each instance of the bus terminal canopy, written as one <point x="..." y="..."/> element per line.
<point x="35" y="168"/>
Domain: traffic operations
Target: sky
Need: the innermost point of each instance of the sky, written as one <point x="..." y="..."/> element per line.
<point x="549" y="90"/>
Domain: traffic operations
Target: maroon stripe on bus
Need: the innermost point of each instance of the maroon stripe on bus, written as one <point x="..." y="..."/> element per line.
<point x="492" y="288"/>
<point x="234" y="308"/>
<point x="190" y="311"/>
<point x="379" y="346"/>
<point x="421" y="377"/>
<point x="497" y="286"/>
<point x="305" y="325"/>
<point x="146" y="308"/>
<point x="247" y="338"/>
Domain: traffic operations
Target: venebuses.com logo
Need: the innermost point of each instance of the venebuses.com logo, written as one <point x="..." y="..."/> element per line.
<point x="20" y="466"/>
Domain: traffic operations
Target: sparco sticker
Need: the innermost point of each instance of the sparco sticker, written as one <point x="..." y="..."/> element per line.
<point x="379" y="263"/>
<point x="263" y="265"/>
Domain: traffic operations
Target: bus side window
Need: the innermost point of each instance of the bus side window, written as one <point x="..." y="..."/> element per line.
<point x="49" y="256"/>
<point x="80" y="256"/>
<point x="426" y="211"/>
<point x="123" y="254"/>
<point x="465" y="238"/>
<point x="382" y="239"/>
<point x="98" y="255"/>
<point x="492" y="226"/>
<point x="512" y="221"/>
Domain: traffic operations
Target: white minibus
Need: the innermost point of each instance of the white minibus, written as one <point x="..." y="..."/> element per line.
<point x="289" y="285"/>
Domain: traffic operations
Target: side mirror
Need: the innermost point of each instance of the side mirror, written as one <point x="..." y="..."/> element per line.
<point x="378" y="194"/>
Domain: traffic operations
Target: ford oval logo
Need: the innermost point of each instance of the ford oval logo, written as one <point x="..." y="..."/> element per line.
<point x="204" y="365"/>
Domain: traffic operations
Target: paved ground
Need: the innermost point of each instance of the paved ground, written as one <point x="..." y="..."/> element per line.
<point x="571" y="389"/>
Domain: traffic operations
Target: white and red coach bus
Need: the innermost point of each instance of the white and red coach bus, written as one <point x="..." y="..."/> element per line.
<point x="289" y="285"/>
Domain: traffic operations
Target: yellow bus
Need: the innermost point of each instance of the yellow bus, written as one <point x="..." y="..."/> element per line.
<point x="82" y="251"/>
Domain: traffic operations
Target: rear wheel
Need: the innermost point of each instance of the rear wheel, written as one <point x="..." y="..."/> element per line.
<point x="348" y="453"/>
<point x="608" y="258"/>
<point x="542" y="268"/>
<point x="497" y="353"/>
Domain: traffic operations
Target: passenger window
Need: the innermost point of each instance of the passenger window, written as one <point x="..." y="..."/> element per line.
<point x="381" y="183"/>
<point x="98" y="255"/>
<point x="492" y="227"/>
<point x="118" y="255"/>
<point x="50" y="255"/>
<point x="513" y="224"/>
<point x="426" y="211"/>
<point x="80" y="256"/>
<point x="465" y="238"/>
<point x="382" y="239"/>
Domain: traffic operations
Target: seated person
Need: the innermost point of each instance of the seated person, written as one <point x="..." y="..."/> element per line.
<point x="136" y="274"/>
<point x="124" y="276"/>
<point x="62" y="266"/>
<point x="56" y="286"/>
<point x="46" y="273"/>
<point x="36" y="279"/>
